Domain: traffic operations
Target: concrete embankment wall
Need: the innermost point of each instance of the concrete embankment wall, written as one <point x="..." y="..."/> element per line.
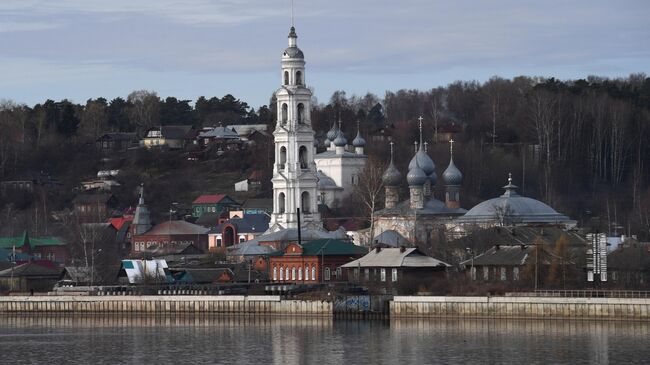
<point x="521" y="307"/>
<point x="225" y="304"/>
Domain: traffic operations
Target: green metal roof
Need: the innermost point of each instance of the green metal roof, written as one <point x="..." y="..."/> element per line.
<point x="328" y="247"/>
<point x="19" y="241"/>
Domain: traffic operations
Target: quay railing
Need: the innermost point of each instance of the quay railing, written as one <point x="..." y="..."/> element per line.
<point x="583" y="293"/>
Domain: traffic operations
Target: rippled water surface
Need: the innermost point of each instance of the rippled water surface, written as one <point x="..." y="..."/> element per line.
<point x="219" y="340"/>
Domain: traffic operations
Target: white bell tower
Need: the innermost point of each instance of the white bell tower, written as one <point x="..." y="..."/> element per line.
<point x="295" y="183"/>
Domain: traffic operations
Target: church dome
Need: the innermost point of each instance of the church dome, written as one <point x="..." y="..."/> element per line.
<point x="325" y="181"/>
<point x="452" y="175"/>
<point x="392" y="176"/>
<point x="333" y="133"/>
<point x="425" y="162"/>
<point x="512" y="208"/>
<point x="358" y="140"/>
<point x="340" y="140"/>
<point x="293" y="52"/>
<point x="416" y="176"/>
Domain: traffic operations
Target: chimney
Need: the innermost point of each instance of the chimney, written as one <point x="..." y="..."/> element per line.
<point x="402" y="249"/>
<point x="497" y="247"/>
<point x="377" y="249"/>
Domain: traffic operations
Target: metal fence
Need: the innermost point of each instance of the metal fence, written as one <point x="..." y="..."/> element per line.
<point x="584" y="294"/>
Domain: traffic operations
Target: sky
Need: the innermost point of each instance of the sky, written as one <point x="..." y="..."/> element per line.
<point x="81" y="49"/>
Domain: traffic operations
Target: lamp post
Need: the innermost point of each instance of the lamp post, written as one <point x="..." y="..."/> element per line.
<point x="92" y="267"/>
<point x="472" y="274"/>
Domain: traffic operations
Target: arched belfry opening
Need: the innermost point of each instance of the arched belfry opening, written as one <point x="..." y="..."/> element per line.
<point x="303" y="157"/>
<point x="286" y="77"/>
<point x="298" y="78"/>
<point x="283" y="156"/>
<point x="305" y="203"/>
<point x="281" y="202"/>
<point x="285" y="113"/>
<point x="301" y="113"/>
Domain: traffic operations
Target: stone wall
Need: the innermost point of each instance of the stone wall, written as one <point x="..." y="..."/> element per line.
<point x="236" y="305"/>
<point x="521" y="307"/>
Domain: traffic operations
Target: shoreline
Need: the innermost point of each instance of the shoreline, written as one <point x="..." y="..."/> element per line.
<point x="400" y="307"/>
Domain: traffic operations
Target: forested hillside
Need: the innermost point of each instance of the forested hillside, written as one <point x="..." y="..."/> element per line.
<point x="581" y="146"/>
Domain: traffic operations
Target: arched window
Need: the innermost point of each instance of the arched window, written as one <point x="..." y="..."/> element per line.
<point x="313" y="273"/>
<point x="293" y="273"/>
<point x="286" y="77"/>
<point x="306" y="272"/>
<point x="301" y="113"/>
<point x="305" y="202"/>
<point x="327" y="273"/>
<point x="286" y="272"/>
<point x="283" y="156"/>
<point x="303" y="157"/>
<point x="298" y="78"/>
<point x="281" y="203"/>
<point x="281" y="274"/>
<point x="285" y="113"/>
<point x="275" y="273"/>
<point x="300" y="273"/>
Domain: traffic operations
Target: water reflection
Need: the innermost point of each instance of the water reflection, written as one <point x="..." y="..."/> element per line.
<point x="139" y="339"/>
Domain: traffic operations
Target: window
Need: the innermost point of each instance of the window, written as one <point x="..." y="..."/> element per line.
<point x="286" y="77"/>
<point x="394" y="275"/>
<point x="275" y="273"/>
<point x="298" y="78"/>
<point x="383" y="274"/>
<point x="218" y="242"/>
<point x="242" y="239"/>
<point x="313" y="273"/>
<point x="286" y="273"/>
<point x="300" y="273"/>
<point x="301" y="113"/>
<point x="50" y="256"/>
<point x="305" y="202"/>
<point x="515" y="273"/>
<point x="486" y="273"/>
<point x="281" y="203"/>
<point x="285" y="113"/>
<point x="283" y="156"/>
<point x="37" y="255"/>
<point x="281" y="274"/>
<point x="293" y="273"/>
<point x="367" y="274"/>
<point x="306" y="272"/>
<point x="503" y="273"/>
<point x="327" y="273"/>
<point x="303" y="157"/>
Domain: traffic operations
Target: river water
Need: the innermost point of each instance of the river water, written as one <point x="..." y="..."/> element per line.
<point x="272" y="340"/>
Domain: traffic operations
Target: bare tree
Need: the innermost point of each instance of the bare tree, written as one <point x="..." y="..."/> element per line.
<point x="369" y="189"/>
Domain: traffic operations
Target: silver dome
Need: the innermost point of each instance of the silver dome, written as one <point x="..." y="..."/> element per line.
<point x="333" y="133"/>
<point x="325" y="181"/>
<point x="416" y="176"/>
<point x="425" y="162"/>
<point x="358" y="140"/>
<point x="392" y="176"/>
<point x="452" y="175"/>
<point x="340" y="140"/>
<point x="512" y="208"/>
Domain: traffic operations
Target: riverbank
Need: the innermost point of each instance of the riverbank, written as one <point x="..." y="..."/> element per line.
<point x="521" y="307"/>
<point x="359" y="306"/>
<point x="225" y="304"/>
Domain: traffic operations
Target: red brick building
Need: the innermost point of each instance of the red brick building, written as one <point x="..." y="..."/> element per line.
<point x="170" y="233"/>
<point x="316" y="261"/>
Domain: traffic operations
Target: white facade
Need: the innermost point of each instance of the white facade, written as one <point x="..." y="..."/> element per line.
<point x="295" y="184"/>
<point x="345" y="169"/>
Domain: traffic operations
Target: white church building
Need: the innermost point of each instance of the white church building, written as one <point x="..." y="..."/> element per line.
<point x="340" y="166"/>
